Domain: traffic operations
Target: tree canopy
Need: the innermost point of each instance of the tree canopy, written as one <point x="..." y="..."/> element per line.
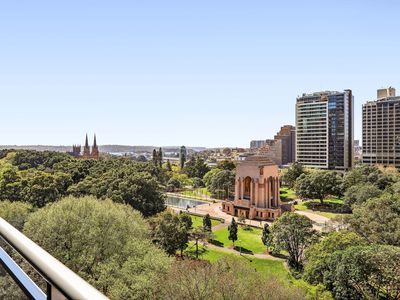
<point x="41" y="178"/>
<point x="108" y="244"/>
<point x="293" y="233"/>
<point x="318" y="185"/>
<point x="378" y="220"/>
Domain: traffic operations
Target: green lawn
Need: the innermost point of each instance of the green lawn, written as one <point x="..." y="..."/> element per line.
<point x="198" y="221"/>
<point x="327" y="211"/>
<point x="198" y="192"/>
<point x="249" y="240"/>
<point x="287" y="194"/>
<point x="267" y="267"/>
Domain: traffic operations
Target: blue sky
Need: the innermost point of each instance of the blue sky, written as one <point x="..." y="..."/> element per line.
<point x="200" y="73"/>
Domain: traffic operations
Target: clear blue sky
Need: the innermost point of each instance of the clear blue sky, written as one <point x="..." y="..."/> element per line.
<point x="200" y="73"/>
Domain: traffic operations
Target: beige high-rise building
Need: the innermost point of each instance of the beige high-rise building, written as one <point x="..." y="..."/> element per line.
<point x="381" y="129"/>
<point x="282" y="148"/>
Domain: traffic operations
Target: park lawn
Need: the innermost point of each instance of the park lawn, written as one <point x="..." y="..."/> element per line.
<point x="198" y="192"/>
<point x="267" y="267"/>
<point x="327" y="213"/>
<point x="287" y="194"/>
<point x="249" y="240"/>
<point x="198" y="221"/>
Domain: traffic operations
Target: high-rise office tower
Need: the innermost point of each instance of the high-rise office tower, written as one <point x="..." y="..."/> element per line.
<point x="381" y="129"/>
<point x="324" y="130"/>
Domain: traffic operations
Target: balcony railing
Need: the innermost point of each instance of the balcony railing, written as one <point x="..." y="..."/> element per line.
<point x="62" y="283"/>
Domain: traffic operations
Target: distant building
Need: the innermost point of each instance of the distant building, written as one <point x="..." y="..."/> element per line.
<point x="255" y="144"/>
<point x="282" y="149"/>
<point x="76" y="151"/>
<point x="324" y="130"/>
<point x="87" y="152"/>
<point x="357" y="150"/>
<point x="257" y="193"/>
<point x="381" y="129"/>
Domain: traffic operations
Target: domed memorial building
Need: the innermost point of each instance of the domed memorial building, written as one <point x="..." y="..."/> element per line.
<point x="257" y="193"/>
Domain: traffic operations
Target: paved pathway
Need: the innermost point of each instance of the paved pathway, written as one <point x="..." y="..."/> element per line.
<point x="232" y="251"/>
<point x="215" y="210"/>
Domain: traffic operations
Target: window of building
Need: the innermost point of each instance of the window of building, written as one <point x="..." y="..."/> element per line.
<point x="247" y="185"/>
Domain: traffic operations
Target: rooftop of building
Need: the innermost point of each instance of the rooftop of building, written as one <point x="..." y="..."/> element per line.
<point x="319" y="94"/>
<point x="260" y="160"/>
<point x="381" y="100"/>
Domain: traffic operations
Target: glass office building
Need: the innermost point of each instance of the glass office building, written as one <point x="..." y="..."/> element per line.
<point x="324" y="136"/>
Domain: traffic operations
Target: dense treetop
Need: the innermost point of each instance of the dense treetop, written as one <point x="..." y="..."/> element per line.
<point x="107" y="244"/>
<point x="40" y="178"/>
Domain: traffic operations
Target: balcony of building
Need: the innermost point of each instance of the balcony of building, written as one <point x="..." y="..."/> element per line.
<point x="49" y="278"/>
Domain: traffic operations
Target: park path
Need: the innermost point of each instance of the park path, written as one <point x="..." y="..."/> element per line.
<point x="215" y="210"/>
<point x="320" y="222"/>
<point x="313" y="216"/>
<point x="232" y="251"/>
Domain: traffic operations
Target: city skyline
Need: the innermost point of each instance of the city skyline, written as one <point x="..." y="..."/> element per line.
<point x="210" y="74"/>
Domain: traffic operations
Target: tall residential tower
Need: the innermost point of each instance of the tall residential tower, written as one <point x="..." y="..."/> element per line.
<point x="324" y="130"/>
<point x="381" y="129"/>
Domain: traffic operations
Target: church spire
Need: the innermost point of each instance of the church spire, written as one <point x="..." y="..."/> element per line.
<point x="95" y="149"/>
<point x="86" y="149"/>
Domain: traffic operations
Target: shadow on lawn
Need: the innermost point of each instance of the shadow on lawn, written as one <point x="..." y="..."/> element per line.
<point x="216" y="243"/>
<point x="332" y="207"/>
<point x="243" y="250"/>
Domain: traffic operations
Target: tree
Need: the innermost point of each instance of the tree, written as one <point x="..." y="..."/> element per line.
<point x="171" y="232"/>
<point x="207" y="224"/>
<point x="362" y="174"/>
<point x="198" y="183"/>
<point x="106" y="243"/>
<point x="319" y="185"/>
<point x="208" y="177"/>
<point x="377" y="220"/>
<point x="318" y="256"/>
<point x="222" y="181"/>
<point x="365" y="272"/>
<point x="360" y="193"/>
<point x="199" y="234"/>
<point x="196" y="167"/>
<point x="266" y="236"/>
<point x="294" y="233"/>
<point x="226" y="164"/>
<point x="292" y="173"/>
<point x="227" y="278"/>
<point x="168" y="166"/>
<point x="182" y="157"/>
<point x="15" y="213"/>
<point x="155" y="157"/>
<point x="186" y="219"/>
<point x="233" y="229"/>
<point x="173" y="184"/>
<point x="160" y="157"/>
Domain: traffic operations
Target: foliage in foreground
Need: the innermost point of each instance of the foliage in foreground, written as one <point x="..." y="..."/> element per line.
<point x="225" y="279"/>
<point x="107" y="244"/>
<point x="365" y="272"/>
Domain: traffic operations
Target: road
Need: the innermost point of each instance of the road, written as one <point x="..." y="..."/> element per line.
<point x="215" y="210"/>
